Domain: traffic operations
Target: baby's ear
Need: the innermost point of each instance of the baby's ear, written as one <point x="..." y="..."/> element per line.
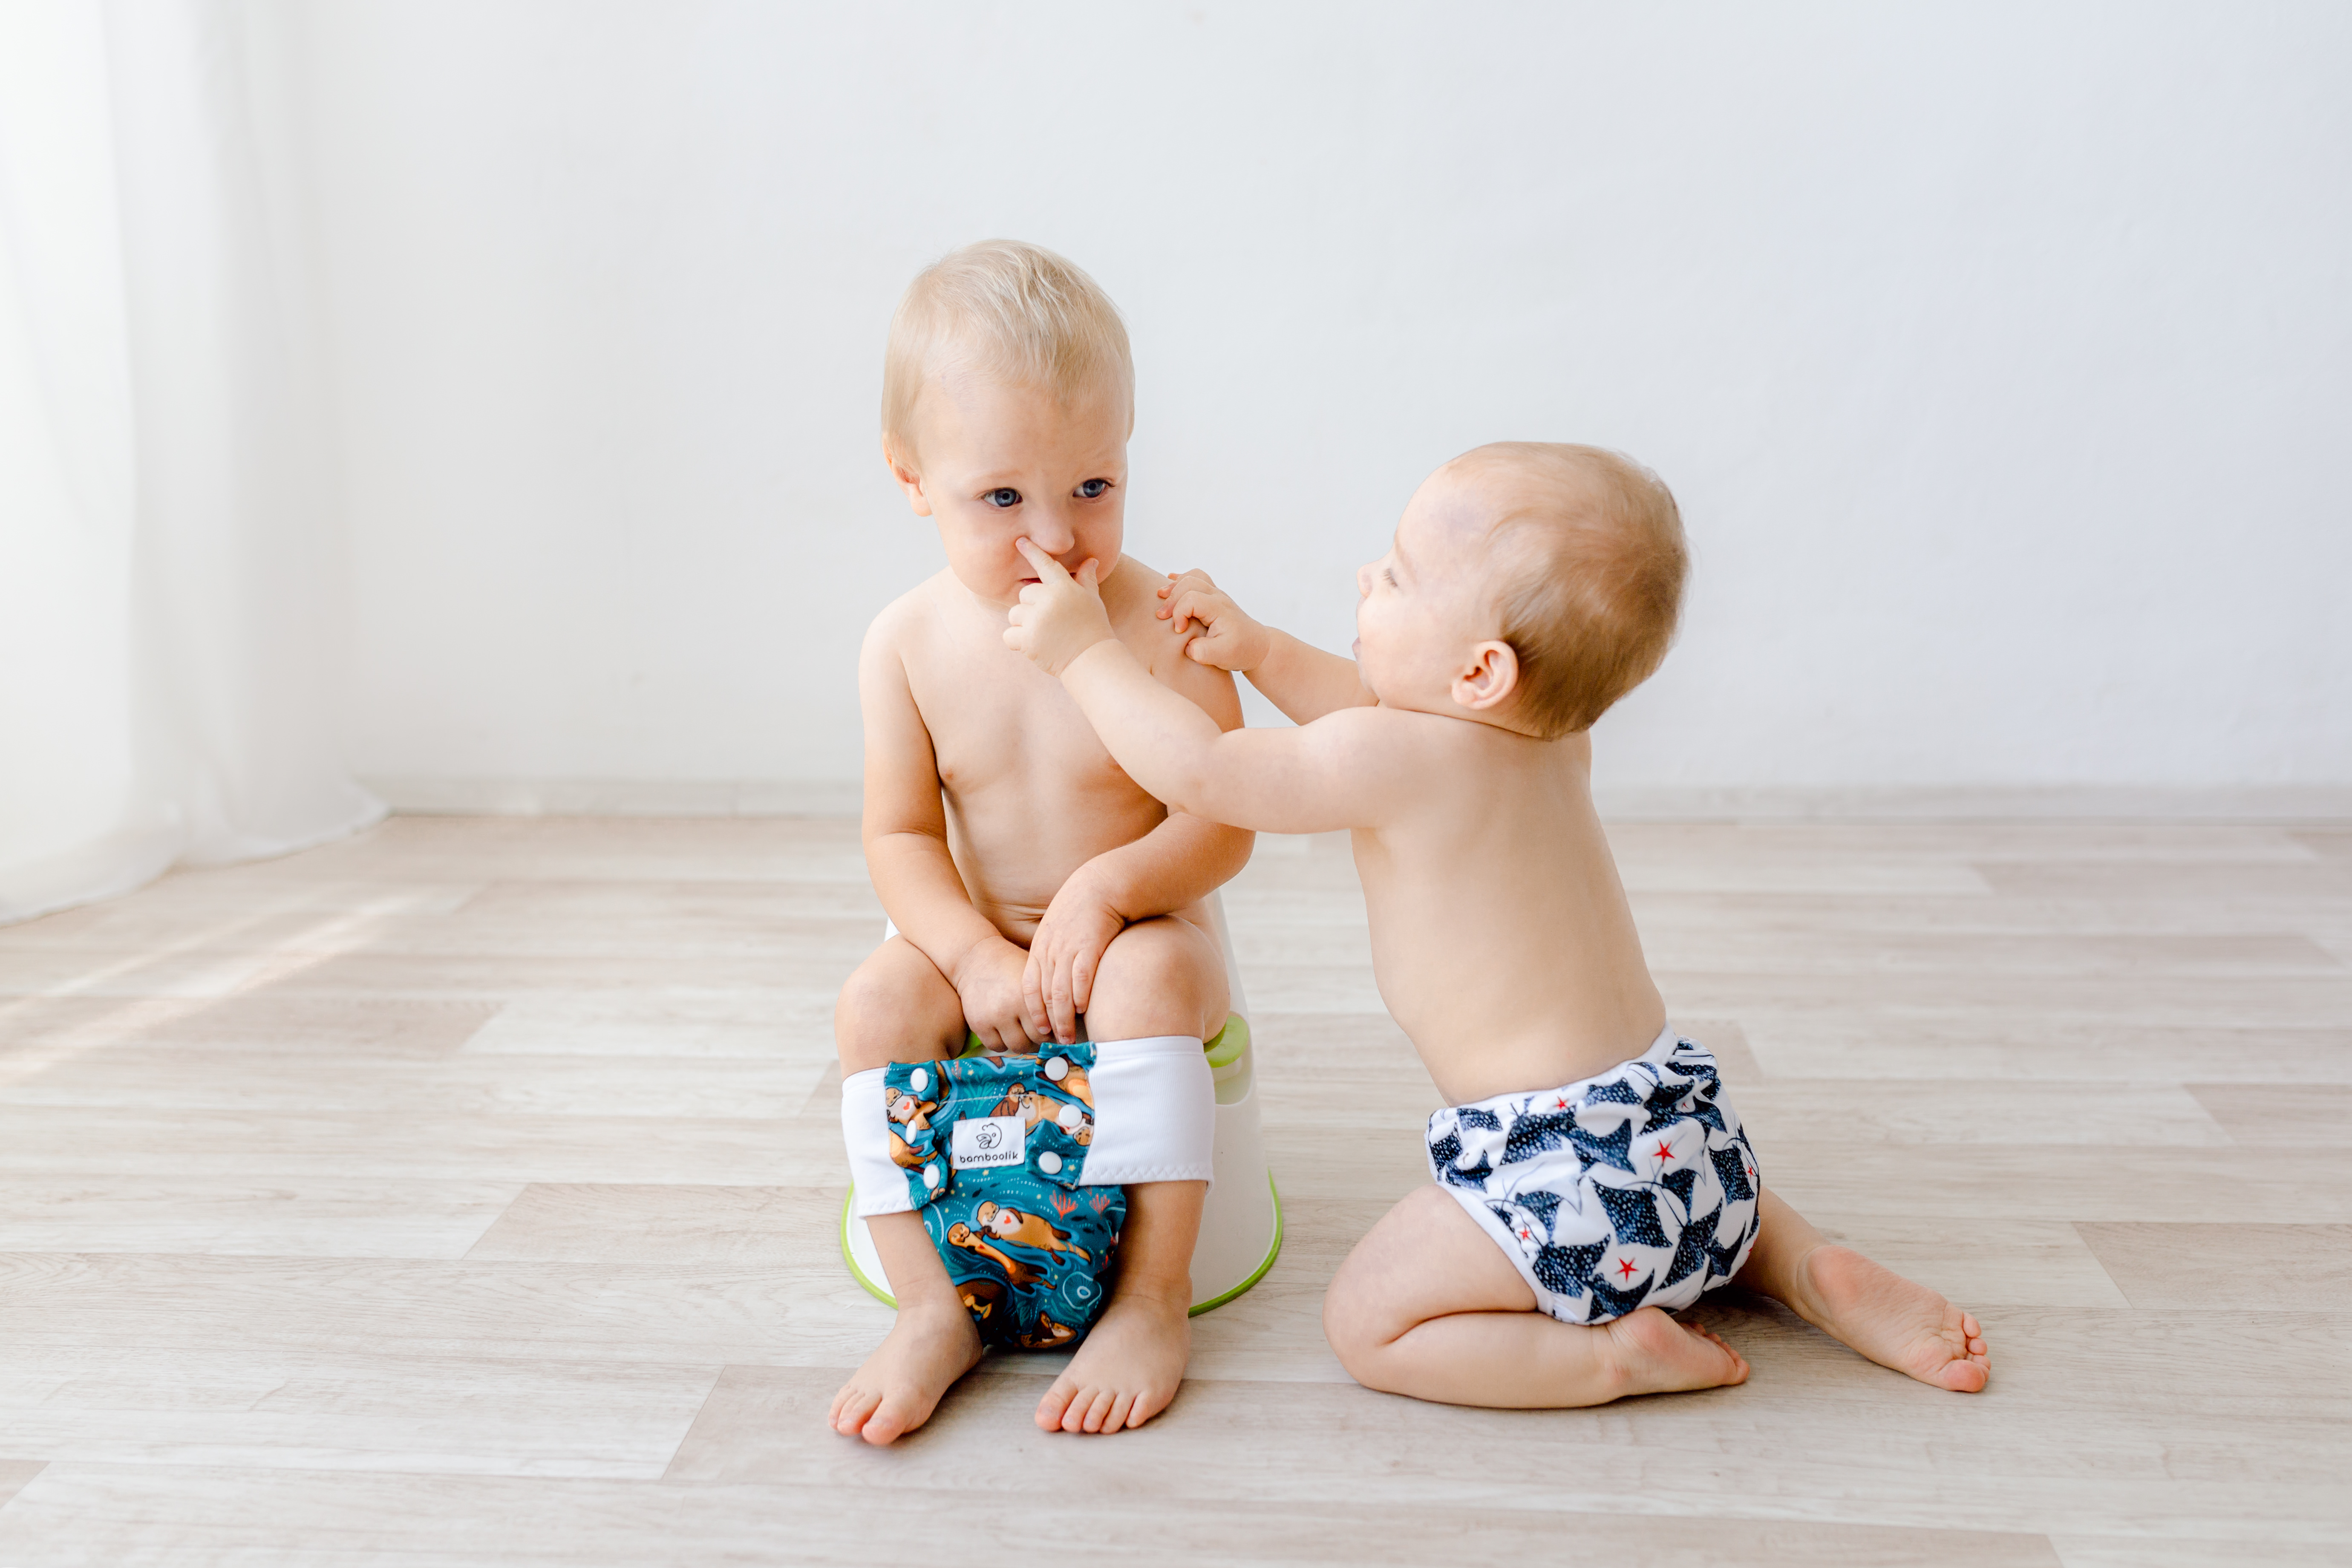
<point x="907" y="477"/>
<point x="1492" y="677"/>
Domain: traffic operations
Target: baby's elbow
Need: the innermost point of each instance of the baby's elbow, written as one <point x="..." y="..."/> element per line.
<point x="1190" y="791"/>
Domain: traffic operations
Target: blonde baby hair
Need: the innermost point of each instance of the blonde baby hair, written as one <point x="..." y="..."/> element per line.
<point x="1014" y="310"/>
<point x="1589" y="601"/>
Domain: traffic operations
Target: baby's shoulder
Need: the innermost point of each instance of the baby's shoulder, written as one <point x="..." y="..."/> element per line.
<point x="908" y="625"/>
<point x="1131" y="600"/>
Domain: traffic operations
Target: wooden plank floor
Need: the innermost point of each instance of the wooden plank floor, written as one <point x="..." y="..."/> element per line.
<point x="464" y="1193"/>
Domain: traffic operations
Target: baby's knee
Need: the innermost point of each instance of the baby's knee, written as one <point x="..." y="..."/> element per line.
<point x="1357" y="1329"/>
<point x="889" y="1011"/>
<point x="1161" y="977"/>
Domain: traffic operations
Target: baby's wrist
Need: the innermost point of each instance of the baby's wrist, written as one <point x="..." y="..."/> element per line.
<point x="1098" y="882"/>
<point x="1107" y="639"/>
<point x="1258" y="647"/>
<point x="964" y="968"/>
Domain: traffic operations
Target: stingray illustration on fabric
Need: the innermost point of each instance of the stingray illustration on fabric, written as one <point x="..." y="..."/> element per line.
<point x="994" y="1148"/>
<point x="1637" y="1187"/>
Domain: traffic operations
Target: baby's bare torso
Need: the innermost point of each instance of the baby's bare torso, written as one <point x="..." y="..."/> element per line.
<point x="1029" y="793"/>
<point x="1502" y="940"/>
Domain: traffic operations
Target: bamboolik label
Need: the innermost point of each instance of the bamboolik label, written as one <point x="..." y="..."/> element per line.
<point x="985" y="1142"/>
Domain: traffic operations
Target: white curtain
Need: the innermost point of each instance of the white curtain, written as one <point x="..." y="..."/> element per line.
<point x="171" y="587"/>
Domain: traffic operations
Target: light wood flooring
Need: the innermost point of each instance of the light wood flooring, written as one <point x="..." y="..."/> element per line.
<point x="465" y="1194"/>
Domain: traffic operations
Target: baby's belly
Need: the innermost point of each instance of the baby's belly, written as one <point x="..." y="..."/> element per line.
<point x="1015" y="857"/>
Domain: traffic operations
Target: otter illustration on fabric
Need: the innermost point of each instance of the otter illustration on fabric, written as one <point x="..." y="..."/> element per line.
<point x="1030" y="1248"/>
<point x="906" y="1108"/>
<point x="1034" y="1109"/>
<point x="1048" y="1335"/>
<point x="1028" y="1229"/>
<point x="1019" y="1273"/>
<point x="1071" y="1079"/>
<point x="981" y="1298"/>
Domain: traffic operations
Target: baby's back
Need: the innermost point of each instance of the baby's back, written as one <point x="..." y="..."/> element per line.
<point x="1502" y="940"/>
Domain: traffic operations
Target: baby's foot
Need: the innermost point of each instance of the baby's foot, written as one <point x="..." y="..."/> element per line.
<point x="1893" y="1321"/>
<point x="899" y="1385"/>
<point x="1127" y="1369"/>
<point x="1654" y="1354"/>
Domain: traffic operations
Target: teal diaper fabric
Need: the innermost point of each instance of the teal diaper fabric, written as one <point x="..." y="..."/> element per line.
<point x="994" y="1148"/>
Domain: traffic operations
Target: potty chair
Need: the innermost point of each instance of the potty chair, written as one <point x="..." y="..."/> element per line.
<point x="1241" y="1225"/>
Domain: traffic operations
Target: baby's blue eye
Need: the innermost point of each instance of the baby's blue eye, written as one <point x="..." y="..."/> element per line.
<point x="1006" y="496"/>
<point x="1093" y="488"/>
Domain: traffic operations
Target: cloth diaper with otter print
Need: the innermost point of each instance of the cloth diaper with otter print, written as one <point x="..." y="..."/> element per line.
<point x="994" y="1149"/>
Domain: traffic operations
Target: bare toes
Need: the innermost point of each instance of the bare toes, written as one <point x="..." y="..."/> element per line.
<point x="1050" y="1409"/>
<point x="1963" y="1377"/>
<point x="885" y="1426"/>
<point x="851" y="1407"/>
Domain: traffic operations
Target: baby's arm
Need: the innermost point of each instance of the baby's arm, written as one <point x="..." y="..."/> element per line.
<point x="1304" y="681"/>
<point x="1340" y="771"/>
<point x="906" y="836"/>
<point x="1173" y="866"/>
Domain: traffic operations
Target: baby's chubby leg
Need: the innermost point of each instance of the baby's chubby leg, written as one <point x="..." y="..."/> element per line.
<point x="897" y="1006"/>
<point x="1427" y="1305"/>
<point x="1894" y="1321"/>
<point x="1162" y="976"/>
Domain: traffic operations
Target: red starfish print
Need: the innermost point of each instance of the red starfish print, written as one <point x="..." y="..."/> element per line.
<point x="1665" y="1151"/>
<point x="1561" y="1103"/>
<point x="1625" y="1268"/>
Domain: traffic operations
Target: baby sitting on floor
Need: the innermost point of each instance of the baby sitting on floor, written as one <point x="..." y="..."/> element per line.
<point x="1588" y="1173"/>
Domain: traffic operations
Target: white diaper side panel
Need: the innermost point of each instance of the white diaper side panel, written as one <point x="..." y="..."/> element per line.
<point x="1155" y="1112"/>
<point x="880" y="1185"/>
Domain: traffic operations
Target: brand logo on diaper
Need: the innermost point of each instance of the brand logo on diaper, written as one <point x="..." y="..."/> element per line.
<point x="985" y="1142"/>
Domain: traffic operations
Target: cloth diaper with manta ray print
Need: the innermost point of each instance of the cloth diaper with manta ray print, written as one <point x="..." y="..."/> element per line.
<point x="1635" y="1187"/>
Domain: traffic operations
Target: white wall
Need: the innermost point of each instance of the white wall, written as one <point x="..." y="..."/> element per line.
<point x="2001" y="356"/>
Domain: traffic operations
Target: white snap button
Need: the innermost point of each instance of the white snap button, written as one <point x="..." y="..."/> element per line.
<point x="920" y="1079"/>
<point x="1050" y="1162"/>
<point x="931" y="1175"/>
<point x="1057" y="1067"/>
<point x="1071" y="1119"/>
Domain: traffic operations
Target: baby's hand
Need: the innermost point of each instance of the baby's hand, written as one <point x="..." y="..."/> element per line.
<point x="1059" y="616"/>
<point x="989" y="983"/>
<point x="1227" y="638"/>
<point x="1065" y="954"/>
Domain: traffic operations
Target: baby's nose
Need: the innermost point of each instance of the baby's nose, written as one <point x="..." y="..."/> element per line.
<point x="1052" y="533"/>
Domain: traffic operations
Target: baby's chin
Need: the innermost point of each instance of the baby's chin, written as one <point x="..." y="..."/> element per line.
<point x="997" y="592"/>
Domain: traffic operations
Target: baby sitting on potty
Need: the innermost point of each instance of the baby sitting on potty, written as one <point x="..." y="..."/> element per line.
<point x="1029" y="882"/>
